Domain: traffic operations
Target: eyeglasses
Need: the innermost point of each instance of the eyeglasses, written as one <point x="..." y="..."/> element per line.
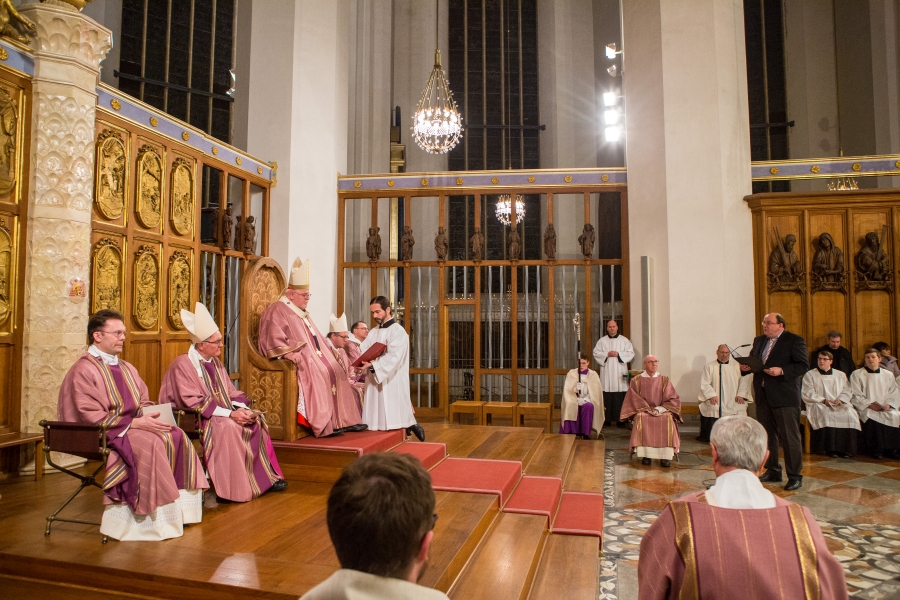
<point x="764" y="323"/>
<point x="344" y="337"/>
<point x="117" y="334"/>
<point x="216" y="343"/>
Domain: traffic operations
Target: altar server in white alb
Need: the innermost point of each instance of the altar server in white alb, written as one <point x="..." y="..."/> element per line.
<point x="613" y="352"/>
<point x="387" y="403"/>
<point x="832" y="418"/>
<point x="723" y="392"/>
<point x="877" y="398"/>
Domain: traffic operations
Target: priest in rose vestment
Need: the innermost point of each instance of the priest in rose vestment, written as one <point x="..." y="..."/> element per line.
<point x="581" y="408"/>
<point x="236" y="442"/>
<point x="656" y="408"/>
<point x="346" y="352"/>
<point x="154" y="481"/>
<point x="723" y="391"/>
<point x="327" y="402"/>
<point x="613" y="352"/>
<point x="876" y="396"/>
<point x="833" y="422"/>
<point x="737" y="539"/>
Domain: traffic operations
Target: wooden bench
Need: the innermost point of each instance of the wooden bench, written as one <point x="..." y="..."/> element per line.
<point x="530" y="409"/>
<point x="466" y="407"/>
<point x="502" y="409"/>
<point x="806" y="434"/>
<point x="10" y="440"/>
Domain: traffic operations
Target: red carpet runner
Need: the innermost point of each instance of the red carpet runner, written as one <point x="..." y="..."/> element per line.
<point x="478" y="476"/>
<point x="535" y="496"/>
<point x="363" y="442"/>
<point x="580" y="513"/>
<point x="429" y="453"/>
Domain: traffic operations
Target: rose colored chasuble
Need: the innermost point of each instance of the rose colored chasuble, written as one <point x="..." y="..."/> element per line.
<point x="653" y="430"/>
<point x="357" y="380"/>
<point x="145" y="470"/>
<point x="240" y="459"/>
<point x="327" y="399"/>
<point x="695" y="550"/>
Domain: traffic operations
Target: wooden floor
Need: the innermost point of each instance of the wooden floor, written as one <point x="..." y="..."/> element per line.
<point x="278" y="547"/>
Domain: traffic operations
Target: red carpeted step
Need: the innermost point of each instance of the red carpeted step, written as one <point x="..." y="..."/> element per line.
<point x="535" y="496"/>
<point x="580" y="513"/>
<point x="477" y="475"/>
<point x="428" y="452"/>
<point x="363" y="442"/>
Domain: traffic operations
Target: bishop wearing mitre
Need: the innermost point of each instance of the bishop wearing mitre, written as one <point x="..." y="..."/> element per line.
<point x="327" y="402"/>
<point x="235" y="439"/>
<point x="346" y="352"/>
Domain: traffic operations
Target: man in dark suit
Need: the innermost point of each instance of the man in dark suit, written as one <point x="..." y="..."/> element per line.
<point x="843" y="360"/>
<point x="777" y="396"/>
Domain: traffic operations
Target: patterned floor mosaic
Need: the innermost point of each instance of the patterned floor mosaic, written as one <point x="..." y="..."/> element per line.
<point x="856" y="502"/>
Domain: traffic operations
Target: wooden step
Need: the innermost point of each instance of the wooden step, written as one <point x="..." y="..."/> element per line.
<point x="570" y="568"/>
<point x="496" y="443"/>
<point x="552" y="457"/>
<point x="21" y="587"/>
<point x="322" y="459"/>
<point x="586" y="470"/>
<point x="505" y="563"/>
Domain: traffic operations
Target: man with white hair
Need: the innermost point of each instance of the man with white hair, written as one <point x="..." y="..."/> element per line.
<point x="656" y="408"/>
<point x="701" y="537"/>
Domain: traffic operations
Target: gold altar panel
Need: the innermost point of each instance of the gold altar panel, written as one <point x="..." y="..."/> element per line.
<point x="145" y="277"/>
<point x="790" y="305"/>
<point x="7" y="364"/>
<point x="107" y="273"/>
<point x="181" y="203"/>
<point x="829" y="313"/>
<point x="8" y="279"/>
<point x="148" y="200"/>
<point x="144" y="355"/>
<point x="180" y="285"/>
<point x="111" y="173"/>
<point x="172" y="349"/>
<point x="12" y="103"/>
<point x="872" y="321"/>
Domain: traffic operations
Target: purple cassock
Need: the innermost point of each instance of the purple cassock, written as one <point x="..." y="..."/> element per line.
<point x="240" y="458"/>
<point x="585" y="419"/>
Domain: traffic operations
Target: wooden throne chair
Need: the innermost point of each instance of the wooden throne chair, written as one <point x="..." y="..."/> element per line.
<point x="270" y="384"/>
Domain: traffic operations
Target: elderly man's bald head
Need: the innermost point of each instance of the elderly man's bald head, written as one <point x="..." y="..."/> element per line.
<point x="723" y="353"/>
<point x="651" y="364"/>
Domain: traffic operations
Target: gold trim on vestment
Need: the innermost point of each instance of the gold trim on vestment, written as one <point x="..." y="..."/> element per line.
<point x="684" y="539"/>
<point x="806" y="550"/>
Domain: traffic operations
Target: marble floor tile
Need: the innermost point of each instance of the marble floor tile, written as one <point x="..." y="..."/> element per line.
<point x="659" y="504"/>
<point x="876" y="517"/>
<point x="892" y="474"/>
<point x="826" y="508"/>
<point x="663" y="486"/>
<point x="894" y="508"/>
<point x="624" y="473"/>
<point x="626" y="496"/>
<point x="809" y="484"/>
<point x="838" y="476"/>
<point x="877" y="483"/>
<point x="855" y="466"/>
<point x="858" y="495"/>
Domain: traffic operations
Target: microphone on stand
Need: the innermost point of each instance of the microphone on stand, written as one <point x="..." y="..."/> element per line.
<point x="737" y="348"/>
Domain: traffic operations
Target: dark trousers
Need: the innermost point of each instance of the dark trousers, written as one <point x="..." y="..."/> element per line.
<point x="781" y="424"/>
<point x="706" y="425"/>
<point x="612" y="404"/>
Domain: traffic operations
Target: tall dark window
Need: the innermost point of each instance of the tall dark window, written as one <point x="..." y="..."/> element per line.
<point x="764" y="32"/>
<point x="176" y="56"/>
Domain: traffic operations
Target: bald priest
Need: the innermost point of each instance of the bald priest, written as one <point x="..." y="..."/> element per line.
<point x="154" y="481"/>
<point x="235" y="439"/>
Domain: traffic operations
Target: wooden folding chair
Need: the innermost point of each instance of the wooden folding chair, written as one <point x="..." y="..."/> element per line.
<point x="78" y="439"/>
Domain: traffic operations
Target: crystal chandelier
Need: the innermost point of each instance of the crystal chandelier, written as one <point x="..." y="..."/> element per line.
<point x="510" y="214"/>
<point x="437" y="124"/>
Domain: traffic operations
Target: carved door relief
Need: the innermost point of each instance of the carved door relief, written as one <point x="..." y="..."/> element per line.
<point x="146" y="287"/>
<point x="148" y="201"/>
<point x="111" y="174"/>
<point x="10" y="138"/>
<point x="107" y="275"/>
<point x="873" y="263"/>
<point x="180" y="287"/>
<point x="6" y="271"/>
<point x="785" y="272"/>
<point x="182" y="201"/>
<point x="828" y="271"/>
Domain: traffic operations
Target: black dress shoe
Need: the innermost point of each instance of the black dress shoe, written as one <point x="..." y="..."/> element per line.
<point x="335" y="433"/>
<point x="278" y="486"/>
<point x="222" y="500"/>
<point x="770" y="477"/>
<point x="793" y="484"/>
<point x="702" y="439"/>
<point x="357" y="427"/>
<point x="665" y="463"/>
<point x="417" y="431"/>
<point x="645" y="461"/>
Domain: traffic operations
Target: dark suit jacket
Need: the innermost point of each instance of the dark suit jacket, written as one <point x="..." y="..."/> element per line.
<point x="789" y="353"/>
<point x="843" y="360"/>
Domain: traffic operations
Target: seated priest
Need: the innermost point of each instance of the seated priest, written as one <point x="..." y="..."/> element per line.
<point x="327" y="402"/>
<point x="832" y="418"/>
<point x="654" y="405"/>
<point x="154" y="481"/>
<point x="346" y="352"/>
<point x="239" y="453"/>
<point x="723" y="392"/>
<point x="737" y="539"/>
<point x="582" y="402"/>
<point x="875" y="395"/>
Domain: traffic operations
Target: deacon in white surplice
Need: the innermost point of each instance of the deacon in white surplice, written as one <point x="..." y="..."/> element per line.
<point x="877" y="399"/>
<point x="387" y="403"/>
<point x="723" y="392"/>
<point x="613" y="352"/>
<point x="829" y="411"/>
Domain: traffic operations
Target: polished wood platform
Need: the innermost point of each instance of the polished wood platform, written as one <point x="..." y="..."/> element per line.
<point x="278" y="547"/>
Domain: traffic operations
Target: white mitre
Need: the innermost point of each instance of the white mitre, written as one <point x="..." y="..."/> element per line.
<point x="299" y="279"/>
<point x="200" y="324"/>
<point x="338" y="325"/>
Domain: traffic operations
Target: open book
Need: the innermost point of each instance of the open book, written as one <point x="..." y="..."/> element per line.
<point x="374" y="351"/>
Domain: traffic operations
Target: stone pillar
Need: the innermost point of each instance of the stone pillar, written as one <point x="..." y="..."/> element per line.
<point x="688" y="156"/>
<point x="68" y="49"/>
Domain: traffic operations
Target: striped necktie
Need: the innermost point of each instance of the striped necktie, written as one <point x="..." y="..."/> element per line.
<point x="768" y="351"/>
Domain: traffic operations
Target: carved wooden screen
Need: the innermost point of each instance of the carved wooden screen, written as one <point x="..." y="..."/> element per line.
<point x="15" y="106"/>
<point x="828" y="261"/>
<point x="156" y="238"/>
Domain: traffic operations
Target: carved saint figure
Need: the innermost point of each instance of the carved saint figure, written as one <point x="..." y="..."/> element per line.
<point x="228" y="228"/>
<point x="9" y="120"/>
<point x="550" y="242"/>
<point x="441" y="244"/>
<point x="250" y="235"/>
<point x="872" y="262"/>
<point x="784" y="264"/>
<point x="111" y="174"/>
<point x="107" y="274"/>
<point x="146" y="296"/>
<point x="5" y="267"/>
<point x="182" y="197"/>
<point x="150" y="181"/>
<point x="477" y="242"/>
<point x="9" y="16"/>
<point x="373" y="244"/>
<point x="407" y="241"/>
<point x="586" y="240"/>
<point x="514" y="244"/>
<point x="828" y="261"/>
<point x="179" y="287"/>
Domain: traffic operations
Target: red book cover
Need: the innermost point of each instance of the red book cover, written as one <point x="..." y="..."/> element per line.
<point x="374" y="351"/>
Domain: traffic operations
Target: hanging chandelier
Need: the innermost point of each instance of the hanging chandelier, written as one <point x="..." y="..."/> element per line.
<point x="437" y="124"/>
<point x="510" y="213"/>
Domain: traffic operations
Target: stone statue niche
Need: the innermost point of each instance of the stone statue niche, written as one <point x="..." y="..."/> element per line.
<point x="228" y="228"/>
<point x="477" y="242"/>
<point x="250" y="235"/>
<point x="586" y="240"/>
<point x="550" y="242"/>
<point x="785" y="270"/>
<point x="828" y="272"/>
<point x="373" y="244"/>
<point x="873" y="265"/>
<point x="441" y="244"/>
<point x="407" y="241"/>
<point x="514" y="244"/>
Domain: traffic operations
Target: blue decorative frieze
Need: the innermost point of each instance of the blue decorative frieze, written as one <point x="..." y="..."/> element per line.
<point x="16" y="58"/>
<point x="847" y="166"/>
<point x="480" y="180"/>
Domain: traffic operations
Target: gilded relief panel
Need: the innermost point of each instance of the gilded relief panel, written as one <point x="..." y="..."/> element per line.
<point x="179" y="286"/>
<point x="182" y="196"/>
<point x="7" y="272"/>
<point x="12" y="99"/>
<point x="111" y="173"/>
<point x="145" y="278"/>
<point x="107" y="274"/>
<point x="149" y="195"/>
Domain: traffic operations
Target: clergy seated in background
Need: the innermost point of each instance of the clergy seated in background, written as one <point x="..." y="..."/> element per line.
<point x="876" y="397"/>
<point x="737" y="539"/>
<point x="381" y="522"/>
<point x="842" y="359"/>
<point x="154" y="481"/>
<point x="723" y="392"/>
<point x="832" y="418"/>
<point x="236" y="443"/>
<point x="327" y="402"/>
<point x="346" y="352"/>
<point x="654" y="405"/>
<point x="582" y="402"/>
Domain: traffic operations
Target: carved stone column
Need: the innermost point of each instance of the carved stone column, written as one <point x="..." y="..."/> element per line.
<point x="68" y="49"/>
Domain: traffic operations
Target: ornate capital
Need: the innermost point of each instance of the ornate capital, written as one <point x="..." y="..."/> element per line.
<point x="67" y="33"/>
